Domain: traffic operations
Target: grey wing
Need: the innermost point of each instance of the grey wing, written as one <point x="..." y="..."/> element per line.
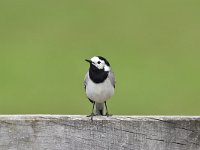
<point x="86" y="79"/>
<point x="85" y="83"/>
<point x="111" y="76"/>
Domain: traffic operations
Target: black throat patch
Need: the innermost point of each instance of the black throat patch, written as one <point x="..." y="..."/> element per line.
<point x="97" y="75"/>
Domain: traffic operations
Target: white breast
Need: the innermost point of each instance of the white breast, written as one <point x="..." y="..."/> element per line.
<point x="99" y="92"/>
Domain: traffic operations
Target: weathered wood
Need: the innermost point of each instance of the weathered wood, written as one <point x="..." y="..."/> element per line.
<point x="64" y="132"/>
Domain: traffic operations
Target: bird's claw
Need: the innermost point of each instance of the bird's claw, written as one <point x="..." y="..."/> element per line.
<point x="108" y="115"/>
<point x="91" y="115"/>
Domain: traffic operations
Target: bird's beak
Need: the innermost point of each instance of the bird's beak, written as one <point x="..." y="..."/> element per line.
<point x="88" y="61"/>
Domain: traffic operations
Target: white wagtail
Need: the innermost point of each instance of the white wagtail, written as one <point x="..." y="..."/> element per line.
<point x="99" y="84"/>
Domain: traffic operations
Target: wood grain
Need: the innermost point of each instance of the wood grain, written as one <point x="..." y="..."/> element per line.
<point x="73" y="132"/>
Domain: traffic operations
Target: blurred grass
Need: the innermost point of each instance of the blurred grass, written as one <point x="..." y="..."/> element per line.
<point x="153" y="47"/>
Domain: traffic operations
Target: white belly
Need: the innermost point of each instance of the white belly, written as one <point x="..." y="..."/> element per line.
<point x="99" y="92"/>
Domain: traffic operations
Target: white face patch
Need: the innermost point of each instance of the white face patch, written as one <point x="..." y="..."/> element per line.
<point x="100" y="64"/>
<point x="106" y="68"/>
<point x="95" y="59"/>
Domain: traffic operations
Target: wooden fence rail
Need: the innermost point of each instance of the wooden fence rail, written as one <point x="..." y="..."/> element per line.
<point x="73" y="132"/>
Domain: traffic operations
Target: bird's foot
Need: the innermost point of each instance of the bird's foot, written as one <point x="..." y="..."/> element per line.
<point x="108" y="115"/>
<point x="91" y="115"/>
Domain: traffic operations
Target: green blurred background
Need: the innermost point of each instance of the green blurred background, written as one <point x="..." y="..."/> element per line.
<point x="153" y="47"/>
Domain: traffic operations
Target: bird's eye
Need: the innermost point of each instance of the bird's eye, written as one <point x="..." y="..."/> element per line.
<point x="98" y="62"/>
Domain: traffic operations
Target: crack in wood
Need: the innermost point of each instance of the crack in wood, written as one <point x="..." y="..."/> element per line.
<point x="176" y="125"/>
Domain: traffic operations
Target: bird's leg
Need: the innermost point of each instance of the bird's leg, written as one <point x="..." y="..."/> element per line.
<point x="107" y="114"/>
<point x="92" y="114"/>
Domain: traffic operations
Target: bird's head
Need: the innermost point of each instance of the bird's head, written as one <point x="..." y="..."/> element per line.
<point x="99" y="62"/>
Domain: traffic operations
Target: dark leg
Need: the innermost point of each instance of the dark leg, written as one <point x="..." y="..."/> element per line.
<point x="107" y="114"/>
<point x="92" y="114"/>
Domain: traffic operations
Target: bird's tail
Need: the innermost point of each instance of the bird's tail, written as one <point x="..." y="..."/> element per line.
<point x="99" y="108"/>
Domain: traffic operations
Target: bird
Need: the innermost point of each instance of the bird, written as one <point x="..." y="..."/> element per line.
<point x="99" y="84"/>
